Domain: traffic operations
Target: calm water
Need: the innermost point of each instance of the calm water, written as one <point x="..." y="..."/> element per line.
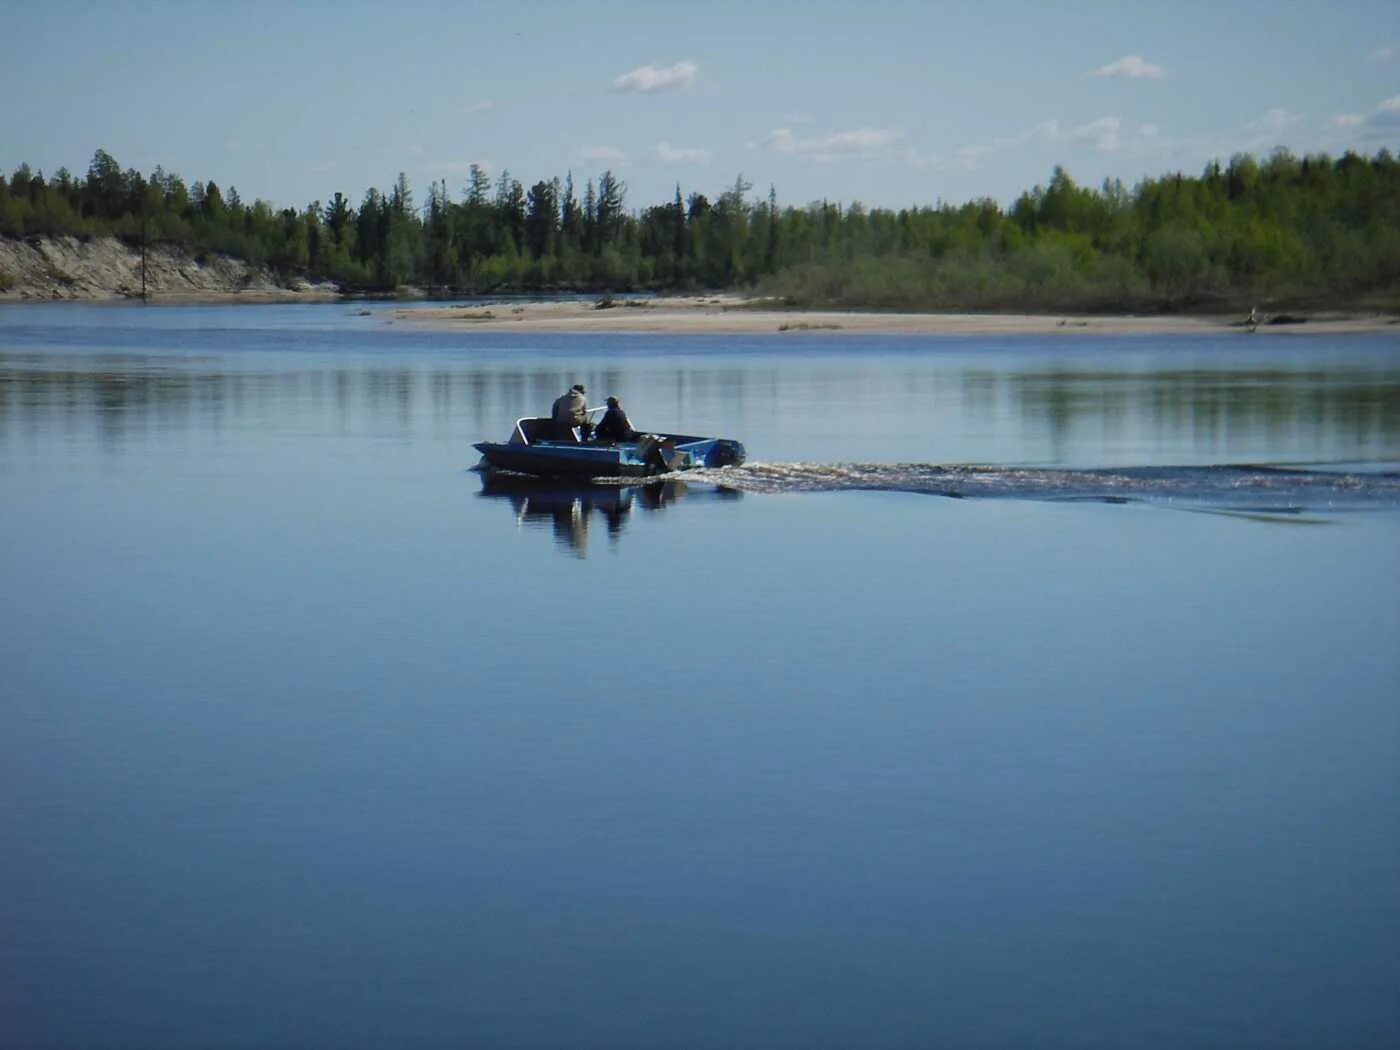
<point x="312" y="737"/>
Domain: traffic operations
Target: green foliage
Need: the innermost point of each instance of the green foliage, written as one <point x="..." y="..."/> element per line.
<point x="1285" y="229"/>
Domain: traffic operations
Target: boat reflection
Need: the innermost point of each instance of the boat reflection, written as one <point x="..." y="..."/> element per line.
<point x="571" y="506"/>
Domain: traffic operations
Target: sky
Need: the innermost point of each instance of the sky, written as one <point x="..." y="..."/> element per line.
<point x="887" y="103"/>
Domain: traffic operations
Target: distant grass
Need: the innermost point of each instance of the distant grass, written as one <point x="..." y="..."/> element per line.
<point x="1038" y="280"/>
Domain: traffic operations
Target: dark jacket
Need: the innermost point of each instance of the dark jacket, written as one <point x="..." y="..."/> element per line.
<point x="615" y="426"/>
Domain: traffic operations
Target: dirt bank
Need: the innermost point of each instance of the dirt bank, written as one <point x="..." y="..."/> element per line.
<point x="104" y="268"/>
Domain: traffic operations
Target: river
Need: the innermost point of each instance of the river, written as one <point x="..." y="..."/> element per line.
<point x="1024" y="691"/>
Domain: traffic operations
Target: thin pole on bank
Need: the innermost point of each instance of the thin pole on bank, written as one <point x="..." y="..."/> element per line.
<point x="143" y="247"/>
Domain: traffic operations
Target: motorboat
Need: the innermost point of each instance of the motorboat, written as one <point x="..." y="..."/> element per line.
<point x="536" y="446"/>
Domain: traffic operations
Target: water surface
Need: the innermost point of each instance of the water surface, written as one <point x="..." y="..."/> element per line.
<point x="312" y="736"/>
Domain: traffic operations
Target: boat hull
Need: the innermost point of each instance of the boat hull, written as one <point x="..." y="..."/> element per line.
<point x="655" y="454"/>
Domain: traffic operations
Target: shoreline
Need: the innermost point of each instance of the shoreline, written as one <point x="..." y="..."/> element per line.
<point x="251" y="296"/>
<point x="737" y="315"/>
<point x="728" y="314"/>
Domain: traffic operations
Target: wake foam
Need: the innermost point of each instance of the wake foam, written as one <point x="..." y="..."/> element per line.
<point x="1234" y="487"/>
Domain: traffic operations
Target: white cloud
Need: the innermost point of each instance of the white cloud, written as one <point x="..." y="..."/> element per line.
<point x="963" y="159"/>
<point x="840" y="145"/>
<point x="1131" y="67"/>
<point x="1102" y="133"/>
<point x="797" y="118"/>
<point x="668" y="154"/>
<point x="1383" y="54"/>
<point x="781" y="140"/>
<point x="918" y="159"/>
<point x="480" y="107"/>
<point x="601" y="155"/>
<point x="1277" y="119"/>
<point x="1382" y="122"/>
<point x="1273" y="128"/>
<point x="969" y="157"/>
<point x="1106" y="134"/>
<point x="657" y="78"/>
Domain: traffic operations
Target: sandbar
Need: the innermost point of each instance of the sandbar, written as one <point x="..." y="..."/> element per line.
<point x="730" y="314"/>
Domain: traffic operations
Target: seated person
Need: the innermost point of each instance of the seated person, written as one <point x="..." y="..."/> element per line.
<point x="615" y="426"/>
<point x="571" y="410"/>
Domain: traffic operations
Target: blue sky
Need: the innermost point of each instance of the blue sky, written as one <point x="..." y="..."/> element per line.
<point x="887" y="103"/>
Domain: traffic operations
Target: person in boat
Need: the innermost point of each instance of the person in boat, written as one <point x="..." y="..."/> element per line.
<point x="615" y="426"/>
<point x="571" y="410"/>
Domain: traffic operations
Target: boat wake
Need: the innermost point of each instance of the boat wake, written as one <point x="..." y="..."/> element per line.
<point x="1245" y="488"/>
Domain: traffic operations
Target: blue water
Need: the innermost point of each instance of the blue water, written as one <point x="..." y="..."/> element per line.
<point x="310" y="736"/>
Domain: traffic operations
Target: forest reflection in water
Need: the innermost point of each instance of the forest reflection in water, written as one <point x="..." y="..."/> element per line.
<point x="569" y="508"/>
<point x="1216" y="413"/>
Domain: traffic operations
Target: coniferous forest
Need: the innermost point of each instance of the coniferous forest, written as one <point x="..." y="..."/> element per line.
<point x="1312" y="231"/>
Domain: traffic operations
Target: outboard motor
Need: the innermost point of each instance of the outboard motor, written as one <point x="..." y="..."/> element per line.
<point x="725" y="454"/>
<point x="657" y="453"/>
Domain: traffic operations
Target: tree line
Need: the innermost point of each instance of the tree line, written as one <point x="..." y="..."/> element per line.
<point x="1308" y="230"/>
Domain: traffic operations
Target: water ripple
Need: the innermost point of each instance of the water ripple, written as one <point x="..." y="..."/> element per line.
<point x="1232" y="486"/>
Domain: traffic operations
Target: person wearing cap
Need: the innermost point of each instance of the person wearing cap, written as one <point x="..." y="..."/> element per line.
<point x="571" y="410"/>
<point x="615" y="426"/>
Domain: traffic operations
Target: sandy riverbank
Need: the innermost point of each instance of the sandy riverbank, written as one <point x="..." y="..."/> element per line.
<point x="736" y="315"/>
<point x="104" y="269"/>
